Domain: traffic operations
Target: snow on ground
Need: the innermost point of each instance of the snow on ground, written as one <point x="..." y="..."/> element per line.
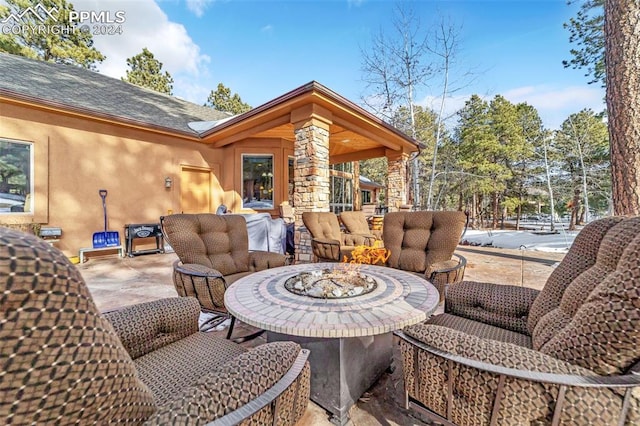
<point x="523" y="240"/>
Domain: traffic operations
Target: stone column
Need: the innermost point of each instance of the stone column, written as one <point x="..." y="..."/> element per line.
<point x="397" y="179"/>
<point x="310" y="174"/>
<point x="357" y="197"/>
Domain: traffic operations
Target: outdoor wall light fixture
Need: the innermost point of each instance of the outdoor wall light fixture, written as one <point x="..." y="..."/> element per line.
<point x="168" y="182"/>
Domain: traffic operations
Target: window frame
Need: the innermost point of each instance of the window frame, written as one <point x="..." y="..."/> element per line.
<point x="30" y="191"/>
<point x="341" y="173"/>
<point x="269" y="175"/>
<point x="366" y="195"/>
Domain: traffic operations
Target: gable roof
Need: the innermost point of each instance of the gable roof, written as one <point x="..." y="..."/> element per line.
<point x="354" y="133"/>
<point x="68" y="87"/>
<point x="369" y="183"/>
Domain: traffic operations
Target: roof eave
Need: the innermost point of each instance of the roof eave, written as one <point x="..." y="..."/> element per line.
<point x="307" y="89"/>
<point x="32" y="101"/>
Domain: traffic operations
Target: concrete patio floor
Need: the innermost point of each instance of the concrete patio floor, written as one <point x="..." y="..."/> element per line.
<point x="116" y="282"/>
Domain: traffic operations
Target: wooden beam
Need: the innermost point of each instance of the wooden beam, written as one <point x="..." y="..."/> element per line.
<point x="366" y="133"/>
<point x="357" y="155"/>
<point x="301" y="117"/>
<point x="244" y="134"/>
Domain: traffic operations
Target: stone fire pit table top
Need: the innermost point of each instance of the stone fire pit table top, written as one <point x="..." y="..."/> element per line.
<point x="400" y="299"/>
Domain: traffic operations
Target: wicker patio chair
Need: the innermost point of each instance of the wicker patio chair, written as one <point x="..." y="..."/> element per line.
<point x="356" y="223"/>
<point x="424" y="242"/>
<point x="328" y="242"/>
<point x="63" y="362"/>
<point x="213" y="252"/>
<point x="568" y="354"/>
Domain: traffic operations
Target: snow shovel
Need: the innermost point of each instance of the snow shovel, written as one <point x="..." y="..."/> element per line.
<point x="106" y="238"/>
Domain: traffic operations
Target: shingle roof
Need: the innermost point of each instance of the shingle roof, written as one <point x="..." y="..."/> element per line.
<point x="91" y="92"/>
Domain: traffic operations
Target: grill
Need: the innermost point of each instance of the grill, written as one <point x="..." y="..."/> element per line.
<point x="134" y="231"/>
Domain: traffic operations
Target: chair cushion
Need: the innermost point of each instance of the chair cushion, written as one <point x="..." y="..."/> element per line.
<point x="230" y="279"/>
<point x="188" y="360"/>
<point x="261" y="260"/>
<point x="322" y="225"/>
<point x="581" y="257"/>
<point x="145" y="327"/>
<point x="611" y="248"/>
<point x="355" y="222"/>
<point x="219" y="242"/>
<point x="504" y="306"/>
<point x="60" y="358"/>
<point x="235" y="383"/>
<point x="600" y="329"/>
<point x="480" y="329"/>
<point x="420" y="239"/>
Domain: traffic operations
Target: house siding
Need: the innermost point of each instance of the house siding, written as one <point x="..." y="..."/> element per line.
<point x="76" y="156"/>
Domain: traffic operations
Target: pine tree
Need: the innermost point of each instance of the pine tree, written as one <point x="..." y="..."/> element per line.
<point x="587" y="32"/>
<point x="50" y="36"/>
<point x="222" y="100"/>
<point x="622" y="30"/>
<point x="146" y="71"/>
<point x="583" y="145"/>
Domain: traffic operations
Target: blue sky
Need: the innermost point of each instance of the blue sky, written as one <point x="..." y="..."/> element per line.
<point x="262" y="49"/>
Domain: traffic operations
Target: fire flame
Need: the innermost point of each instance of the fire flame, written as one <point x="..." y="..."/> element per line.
<point x="369" y="255"/>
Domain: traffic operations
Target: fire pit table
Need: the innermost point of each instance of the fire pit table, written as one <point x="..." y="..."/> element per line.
<point x="350" y="337"/>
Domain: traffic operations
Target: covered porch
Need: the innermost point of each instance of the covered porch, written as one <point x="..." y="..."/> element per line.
<point x="315" y="128"/>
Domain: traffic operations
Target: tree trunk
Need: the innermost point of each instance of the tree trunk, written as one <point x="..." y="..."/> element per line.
<point x="479" y="202"/>
<point x="495" y="209"/>
<point x="575" y="210"/>
<point x="474" y="212"/>
<point x="549" y="187"/>
<point x="622" y="55"/>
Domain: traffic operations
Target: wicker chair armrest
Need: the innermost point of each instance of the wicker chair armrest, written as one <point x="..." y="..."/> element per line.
<point x="295" y="373"/>
<point x="505" y="358"/>
<point x="244" y="386"/>
<point x="451" y="271"/>
<point x="504" y="306"/>
<point x="357" y="239"/>
<point x="196" y="270"/>
<point x="366" y="237"/>
<point x="146" y="327"/>
<point x="325" y="248"/>
<point x="630" y="380"/>
<point x="327" y="241"/>
<point x="507" y="362"/>
<point x="444" y="274"/>
<point x="205" y="284"/>
<point x="261" y="260"/>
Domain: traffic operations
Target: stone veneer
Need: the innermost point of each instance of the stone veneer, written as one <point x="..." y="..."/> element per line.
<point x="311" y="180"/>
<point x="311" y="190"/>
<point x="397" y="180"/>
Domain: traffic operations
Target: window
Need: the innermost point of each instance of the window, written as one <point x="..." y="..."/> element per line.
<point x="257" y="181"/>
<point x="366" y="196"/>
<point x="16" y="176"/>
<point x="341" y="187"/>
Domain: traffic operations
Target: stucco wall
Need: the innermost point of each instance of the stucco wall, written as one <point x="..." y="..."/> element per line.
<point x="76" y="157"/>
